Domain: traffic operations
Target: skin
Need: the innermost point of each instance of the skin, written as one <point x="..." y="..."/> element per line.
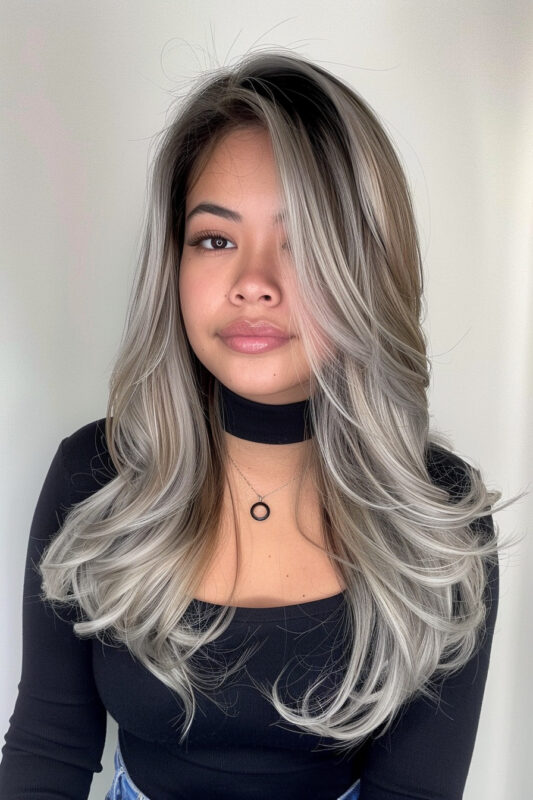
<point x="247" y="276"/>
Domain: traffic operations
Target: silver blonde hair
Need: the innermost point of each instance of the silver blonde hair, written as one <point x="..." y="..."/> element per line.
<point x="414" y="556"/>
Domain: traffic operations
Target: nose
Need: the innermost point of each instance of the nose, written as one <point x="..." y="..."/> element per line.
<point x="258" y="280"/>
<point x="252" y="291"/>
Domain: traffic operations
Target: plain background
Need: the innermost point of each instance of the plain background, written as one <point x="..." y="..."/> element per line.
<point x="86" y="85"/>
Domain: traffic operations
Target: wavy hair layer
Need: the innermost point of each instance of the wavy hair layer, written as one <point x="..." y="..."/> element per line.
<point x="132" y="555"/>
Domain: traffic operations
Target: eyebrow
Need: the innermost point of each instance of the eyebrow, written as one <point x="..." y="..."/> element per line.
<point x="227" y="213"/>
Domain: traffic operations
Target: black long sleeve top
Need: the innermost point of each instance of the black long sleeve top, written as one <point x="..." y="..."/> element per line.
<point x="68" y="684"/>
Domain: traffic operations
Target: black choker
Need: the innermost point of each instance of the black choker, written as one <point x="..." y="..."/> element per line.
<point x="269" y="424"/>
<point x="263" y="422"/>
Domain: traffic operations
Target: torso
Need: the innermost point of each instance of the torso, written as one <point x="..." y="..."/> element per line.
<point x="278" y="566"/>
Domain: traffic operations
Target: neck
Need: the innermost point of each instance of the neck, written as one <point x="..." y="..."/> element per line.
<point x="267" y="441"/>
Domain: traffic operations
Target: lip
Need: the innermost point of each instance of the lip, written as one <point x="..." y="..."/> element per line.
<point x="254" y="344"/>
<point x="253" y="328"/>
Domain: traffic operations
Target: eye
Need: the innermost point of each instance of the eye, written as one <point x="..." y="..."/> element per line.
<point x="209" y="236"/>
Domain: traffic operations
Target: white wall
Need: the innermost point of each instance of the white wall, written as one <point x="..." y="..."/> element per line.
<point x="86" y="84"/>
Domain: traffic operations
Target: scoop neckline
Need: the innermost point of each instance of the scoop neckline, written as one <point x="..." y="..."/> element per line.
<point x="263" y="613"/>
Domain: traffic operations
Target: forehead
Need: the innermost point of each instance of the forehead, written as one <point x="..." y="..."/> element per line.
<point x="240" y="144"/>
<point x="239" y="156"/>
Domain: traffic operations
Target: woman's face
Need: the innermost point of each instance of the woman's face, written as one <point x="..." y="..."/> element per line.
<point x="235" y="266"/>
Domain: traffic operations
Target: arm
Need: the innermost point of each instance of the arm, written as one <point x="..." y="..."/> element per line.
<point x="426" y="753"/>
<point x="57" y="731"/>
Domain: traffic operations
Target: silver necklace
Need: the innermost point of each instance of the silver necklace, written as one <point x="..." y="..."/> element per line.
<point x="260" y="502"/>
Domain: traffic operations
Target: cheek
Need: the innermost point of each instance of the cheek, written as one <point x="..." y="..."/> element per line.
<point x="318" y="341"/>
<point x="189" y="292"/>
<point x="187" y="303"/>
<point x="197" y="298"/>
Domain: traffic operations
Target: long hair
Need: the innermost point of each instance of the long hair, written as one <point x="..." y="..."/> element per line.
<point x="132" y="555"/>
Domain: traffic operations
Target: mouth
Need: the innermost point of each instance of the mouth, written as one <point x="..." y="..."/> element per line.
<point x="254" y="344"/>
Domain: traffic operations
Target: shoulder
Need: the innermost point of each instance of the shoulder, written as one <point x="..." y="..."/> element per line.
<point x="86" y="459"/>
<point x="448" y="471"/>
<point x="80" y="467"/>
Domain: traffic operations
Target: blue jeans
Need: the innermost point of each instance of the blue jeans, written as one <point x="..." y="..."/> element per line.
<point x="123" y="787"/>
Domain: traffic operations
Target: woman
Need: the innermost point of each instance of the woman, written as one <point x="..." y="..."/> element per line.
<point x="262" y="562"/>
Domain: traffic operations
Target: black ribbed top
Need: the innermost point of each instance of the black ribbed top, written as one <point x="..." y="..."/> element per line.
<point x="237" y="747"/>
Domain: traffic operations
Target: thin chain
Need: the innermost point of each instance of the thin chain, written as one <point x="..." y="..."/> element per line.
<point x="260" y="496"/>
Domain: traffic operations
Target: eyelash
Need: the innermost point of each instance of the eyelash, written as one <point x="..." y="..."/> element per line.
<point x="200" y="237"/>
<point x="195" y="242"/>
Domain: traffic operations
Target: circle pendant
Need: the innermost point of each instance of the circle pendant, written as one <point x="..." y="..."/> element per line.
<point x="254" y="515"/>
